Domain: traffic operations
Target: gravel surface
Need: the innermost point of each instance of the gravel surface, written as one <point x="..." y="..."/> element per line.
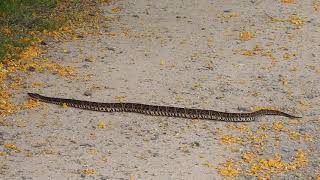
<point x="233" y="56"/>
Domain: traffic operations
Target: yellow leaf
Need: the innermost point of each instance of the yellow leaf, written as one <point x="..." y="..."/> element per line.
<point x="277" y="126"/>
<point x="288" y="1"/>
<point x="120" y="98"/>
<point x="162" y="62"/>
<point x="109" y="18"/>
<point x="300" y="158"/>
<point x="112" y="34"/>
<point x="294" y="135"/>
<point x="305" y="103"/>
<point x="248" y="53"/>
<point x="286" y="56"/>
<point x="316" y="7"/>
<point x="89" y="171"/>
<point x="31" y="104"/>
<point x="285" y="82"/>
<point x="30" y="52"/>
<point x="196" y="85"/>
<point x="230" y="15"/>
<point x="228" y="169"/>
<point x="36" y="84"/>
<point x="248" y="156"/>
<point x="7" y="108"/>
<point x="245" y="36"/>
<point x="254" y="169"/>
<point x="239" y="127"/>
<point x="231" y="139"/>
<point x="6" y="31"/>
<point x="296" y="21"/>
<point x="11" y="146"/>
<point x="116" y="10"/>
<point x="64" y="105"/>
<point x="102" y="125"/>
<point x="25" y="39"/>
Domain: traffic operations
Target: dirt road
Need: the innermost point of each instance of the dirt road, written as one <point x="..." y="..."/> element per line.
<point x="232" y="56"/>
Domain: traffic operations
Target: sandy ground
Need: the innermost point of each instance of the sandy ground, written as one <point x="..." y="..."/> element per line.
<point x="184" y="53"/>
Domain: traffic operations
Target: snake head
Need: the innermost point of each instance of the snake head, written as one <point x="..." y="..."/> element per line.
<point x="34" y="95"/>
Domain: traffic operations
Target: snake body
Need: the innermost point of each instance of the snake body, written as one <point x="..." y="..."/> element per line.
<point x="161" y="110"/>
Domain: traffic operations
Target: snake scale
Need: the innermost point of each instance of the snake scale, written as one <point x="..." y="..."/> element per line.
<point x="161" y="110"/>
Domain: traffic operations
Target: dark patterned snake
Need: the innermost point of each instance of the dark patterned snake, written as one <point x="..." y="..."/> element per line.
<point x="161" y="110"/>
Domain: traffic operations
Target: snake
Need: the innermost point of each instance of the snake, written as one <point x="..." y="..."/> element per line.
<point x="156" y="110"/>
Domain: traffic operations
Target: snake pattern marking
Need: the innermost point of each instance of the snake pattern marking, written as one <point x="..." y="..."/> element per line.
<point x="161" y="110"/>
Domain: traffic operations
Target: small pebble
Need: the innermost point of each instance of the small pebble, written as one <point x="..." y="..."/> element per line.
<point x="87" y="93"/>
<point x="242" y="109"/>
<point x="195" y="144"/>
<point x="111" y="48"/>
<point x="85" y="66"/>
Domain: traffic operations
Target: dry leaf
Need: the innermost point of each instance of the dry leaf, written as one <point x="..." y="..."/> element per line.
<point x="89" y="171"/>
<point x="102" y="125"/>
<point x="296" y="21"/>
<point x="162" y="62"/>
<point x="245" y="36"/>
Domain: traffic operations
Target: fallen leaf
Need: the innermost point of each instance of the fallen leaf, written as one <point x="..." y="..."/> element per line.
<point x="162" y="62"/>
<point x="288" y="1"/>
<point x="116" y="10"/>
<point x="119" y="98"/>
<point x="296" y="21"/>
<point x="11" y="146"/>
<point x="89" y="171"/>
<point x="102" y="125"/>
<point x="245" y="36"/>
<point x="228" y="169"/>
